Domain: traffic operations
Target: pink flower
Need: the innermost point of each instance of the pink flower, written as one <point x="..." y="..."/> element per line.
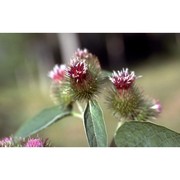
<point x="157" y="107"/>
<point x="123" y="79"/>
<point x="6" y="142"/>
<point x="58" y="73"/>
<point x="34" y="142"/>
<point x="78" y="70"/>
<point x="82" y="54"/>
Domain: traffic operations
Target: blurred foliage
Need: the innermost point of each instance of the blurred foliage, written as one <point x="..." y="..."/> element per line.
<point x="21" y="95"/>
<point x="12" y="52"/>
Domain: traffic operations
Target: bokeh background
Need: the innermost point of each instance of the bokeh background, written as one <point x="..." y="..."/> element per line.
<point x="26" y="59"/>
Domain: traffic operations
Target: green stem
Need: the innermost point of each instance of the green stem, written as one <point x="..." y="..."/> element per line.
<point x="75" y="114"/>
<point x="120" y="123"/>
<point x="79" y="107"/>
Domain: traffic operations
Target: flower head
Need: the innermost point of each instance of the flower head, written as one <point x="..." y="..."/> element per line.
<point x="58" y="73"/>
<point x="78" y="70"/>
<point x="80" y="80"/>
<point x="34" y="142"/>
<point x="82" y="54"/>
<point x="57" y="90"/>
<point x="84" y="76"/>
<point x="157" y="106"/>
<point x="6" y="142"/>
<point x="123" y="79"/>
<point x="126" y="98"/>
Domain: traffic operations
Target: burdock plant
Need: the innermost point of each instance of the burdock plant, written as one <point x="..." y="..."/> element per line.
<point x="78" y="84"/>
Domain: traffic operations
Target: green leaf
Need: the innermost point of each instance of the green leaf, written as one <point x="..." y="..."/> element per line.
<point x="42" y="120"/>
<point x="94" y="125"/>
<point x="145" y="134"/>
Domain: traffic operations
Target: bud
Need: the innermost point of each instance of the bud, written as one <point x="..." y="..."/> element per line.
<point x="57" y="92"/>
<point x="88" y="57"/>
<point x="153" y="108"/>
<point x="82" y="54"/>
<point x="157" y="107"/>
<point x="148" y="110"/>
<point x="58" y="73"/>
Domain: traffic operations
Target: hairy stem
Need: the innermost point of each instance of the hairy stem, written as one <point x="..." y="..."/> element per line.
<point x="79" y="107"/>
<point x="120" y="123"/>
<point x="75" y="114"/>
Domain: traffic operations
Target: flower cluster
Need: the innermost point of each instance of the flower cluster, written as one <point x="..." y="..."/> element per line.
<point x="127" y="100"/>
<point x="20" y="142"/>
<point x="80" y="80"/>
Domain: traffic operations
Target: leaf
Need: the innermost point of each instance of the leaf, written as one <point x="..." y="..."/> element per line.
<point x="42" y="120"/>
<point x="94" y="125"/>
<point x="145" y="134"/>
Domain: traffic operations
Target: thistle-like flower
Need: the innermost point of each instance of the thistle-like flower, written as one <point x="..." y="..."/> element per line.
<point x="127" y="100"/>
<point x="80" y="80"/>
<point x="123" y="80"/>
<point x="78" y="70"/>
<point x="84" y="76"/>
<point x="58" y="73"/>
<point x="58" y="93"/>
<point x="36" y="142"/>
<point x="22" y="142"/>
<point x="6" y="142"/>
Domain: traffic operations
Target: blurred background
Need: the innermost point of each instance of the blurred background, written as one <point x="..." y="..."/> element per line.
<point x="26" y="59"/>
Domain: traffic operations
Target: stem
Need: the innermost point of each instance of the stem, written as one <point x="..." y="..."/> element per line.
<point x="79" y="107"/>
<point x="75" y="114"/>
<point x="120" y="123"/>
